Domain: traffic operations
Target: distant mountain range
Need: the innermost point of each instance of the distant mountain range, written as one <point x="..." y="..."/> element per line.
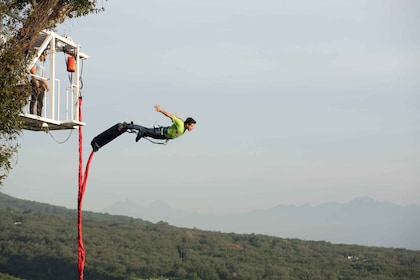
<point x="362" y="221"/>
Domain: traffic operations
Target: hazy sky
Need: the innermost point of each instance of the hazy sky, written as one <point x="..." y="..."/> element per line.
<point x="296" y="102"/>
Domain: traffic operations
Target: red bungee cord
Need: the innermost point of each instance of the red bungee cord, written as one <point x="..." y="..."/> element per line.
<point x="82" y="188"/>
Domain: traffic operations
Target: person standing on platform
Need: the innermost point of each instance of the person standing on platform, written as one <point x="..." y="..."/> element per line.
<point x="39" y="85"/>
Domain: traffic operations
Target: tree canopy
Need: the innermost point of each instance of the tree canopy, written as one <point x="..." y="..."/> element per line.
<point x="21" y="22"/>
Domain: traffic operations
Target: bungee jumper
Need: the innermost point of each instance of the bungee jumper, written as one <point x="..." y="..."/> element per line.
<point x="177" y="129"/>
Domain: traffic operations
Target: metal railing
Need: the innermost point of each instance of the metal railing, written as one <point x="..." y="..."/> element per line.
<point x="58" y="106"/>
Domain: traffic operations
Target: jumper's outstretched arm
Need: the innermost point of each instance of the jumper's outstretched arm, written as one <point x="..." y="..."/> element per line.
<point x="166" y="113"/>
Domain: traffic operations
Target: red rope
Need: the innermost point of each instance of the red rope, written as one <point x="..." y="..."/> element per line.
<point x="81" y="249"/>
<point x="82" y="188"/>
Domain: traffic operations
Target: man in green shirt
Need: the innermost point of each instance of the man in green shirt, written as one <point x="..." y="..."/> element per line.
<point x="176" y="130"/>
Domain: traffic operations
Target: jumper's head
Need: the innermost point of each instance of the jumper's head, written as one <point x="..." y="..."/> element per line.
<point x="189" y="124"/>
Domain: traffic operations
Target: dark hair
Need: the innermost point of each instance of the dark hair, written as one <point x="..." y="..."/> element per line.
<point x="190" y="121"/>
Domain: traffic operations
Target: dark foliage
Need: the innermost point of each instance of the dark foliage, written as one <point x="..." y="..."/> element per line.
<point x="38" y="241"/>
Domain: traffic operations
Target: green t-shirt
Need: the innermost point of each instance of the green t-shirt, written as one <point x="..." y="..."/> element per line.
<point x="176" y="129"/>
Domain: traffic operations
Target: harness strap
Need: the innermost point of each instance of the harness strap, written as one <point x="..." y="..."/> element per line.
<point x="164" y="130"/>
<point x="154" y="142"/>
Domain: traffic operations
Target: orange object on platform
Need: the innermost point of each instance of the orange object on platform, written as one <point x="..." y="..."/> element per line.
<point x="71" y="64"/>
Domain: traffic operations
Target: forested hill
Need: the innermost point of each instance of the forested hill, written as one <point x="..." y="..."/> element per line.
<point x="12" y="203"/>
<point x="39" y="241"/>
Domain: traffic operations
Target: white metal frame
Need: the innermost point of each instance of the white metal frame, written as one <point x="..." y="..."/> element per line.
<point x="53" y="118"/>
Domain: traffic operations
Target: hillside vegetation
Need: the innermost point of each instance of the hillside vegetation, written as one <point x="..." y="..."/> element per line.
<point x="39" y="241"/>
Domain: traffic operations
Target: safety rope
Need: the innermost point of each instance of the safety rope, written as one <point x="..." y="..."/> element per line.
<point x="155" y="142"/>
<point x="61" y="142"/>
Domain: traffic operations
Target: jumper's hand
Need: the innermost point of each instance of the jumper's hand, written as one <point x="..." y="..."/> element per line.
<point x="159" y="109"/>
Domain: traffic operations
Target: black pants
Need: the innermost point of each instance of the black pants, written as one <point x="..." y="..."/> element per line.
<point x="37" y="98"/>
<point x="155" y="132"/>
